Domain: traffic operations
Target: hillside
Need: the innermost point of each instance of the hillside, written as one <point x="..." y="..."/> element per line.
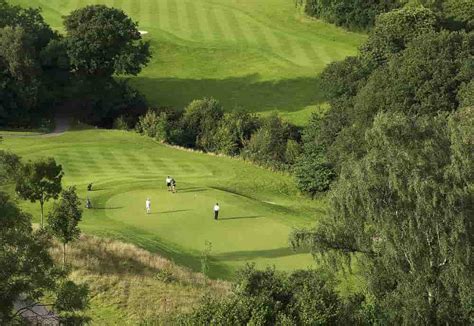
<point x="130" y="285"/>
<point x="260" y="55"/>
<point x="259" y="208"/>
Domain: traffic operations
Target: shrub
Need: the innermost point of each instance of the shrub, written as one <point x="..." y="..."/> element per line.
<point x="293" y="151"/>
<point x="235" y="129"/>
<point x="199" y="123"/>
<point x="120" y="123"/>
<point x="268" y="144"/>
<point x="165" y="276"/>
<point x="155" y="125"/>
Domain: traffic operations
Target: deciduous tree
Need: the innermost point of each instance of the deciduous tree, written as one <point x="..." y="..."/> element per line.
<point x="40" y="181"/>
<point x="104" y="41"/>
<point x="64" y="218"/>
<point x="404" y="211"/>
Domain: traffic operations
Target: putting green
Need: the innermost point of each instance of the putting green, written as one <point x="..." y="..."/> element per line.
<point x="258" y="207"/>
<point x="262" y="55"/>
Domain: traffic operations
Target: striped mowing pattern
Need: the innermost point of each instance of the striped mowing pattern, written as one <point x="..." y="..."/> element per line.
<point x="220" y="24"/>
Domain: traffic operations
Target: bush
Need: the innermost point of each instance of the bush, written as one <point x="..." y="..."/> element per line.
<point x="154" y="125"/>
<point x="120" y="123"/>
<point x="199" y="123"/>
<point x="234" y="131"/>
<point x="268" y="144"/>
<point x="293" y="151"/>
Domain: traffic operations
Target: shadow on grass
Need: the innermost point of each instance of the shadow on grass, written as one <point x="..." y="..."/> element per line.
<point x="176" y="211"/>
<point x="253" y="254"/>
<point x="239" y="217"/>
<point x="103" y="208"/>
<point x="248" y="92"/>
<point x="195" y="189"/>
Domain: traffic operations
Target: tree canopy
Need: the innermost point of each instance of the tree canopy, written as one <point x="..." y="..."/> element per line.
<point x="104" y="41"/>
<point x="399" y="136"/>
<point x="41" y="69"/>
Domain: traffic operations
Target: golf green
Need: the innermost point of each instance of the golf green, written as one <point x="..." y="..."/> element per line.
<point x="260" y="55"/>
<point x="259" y="208"/>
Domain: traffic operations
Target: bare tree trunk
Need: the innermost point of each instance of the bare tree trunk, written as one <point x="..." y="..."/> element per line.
<point x="64" y="254"/>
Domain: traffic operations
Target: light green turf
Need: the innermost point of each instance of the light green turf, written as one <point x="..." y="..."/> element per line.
<point x="258" y="207"/>
<point x="262" y="55"/>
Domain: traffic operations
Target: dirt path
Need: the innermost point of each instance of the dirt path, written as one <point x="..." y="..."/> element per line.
<point x="62" y="124"/>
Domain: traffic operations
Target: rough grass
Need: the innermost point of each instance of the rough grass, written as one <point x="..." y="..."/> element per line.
<point x="262" y="55"/>
<point x="130" y="285"/>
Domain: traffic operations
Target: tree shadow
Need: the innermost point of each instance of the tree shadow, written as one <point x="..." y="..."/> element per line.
<point x="117" y="207"/>
<point x="253" y="254"/>
<point x="248" y="92"/>
<point x="240" y="217"/>
<point x="176" y="211"/>
<point x="194" y="189"/>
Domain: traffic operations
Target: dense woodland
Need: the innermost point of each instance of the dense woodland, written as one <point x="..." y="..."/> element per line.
<point x="393" y="154"/>
<point x="41" y="70"/>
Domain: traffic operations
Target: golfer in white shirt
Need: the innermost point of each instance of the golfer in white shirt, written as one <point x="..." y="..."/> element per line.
<point x="168" y="183"/>
<point x="148" y="205"/>
<point x="216" y="211"/>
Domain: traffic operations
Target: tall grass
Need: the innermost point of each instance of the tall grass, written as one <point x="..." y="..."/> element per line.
<point x="130" y="285"/>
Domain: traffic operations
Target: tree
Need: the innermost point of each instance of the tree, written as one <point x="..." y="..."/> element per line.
<point x="267" y="146"/>
<point x="9" y="166"/>
<point x="234" y="131"/>
<point x="353" y="14"/>
<point x="199" y="123"/>
<point x="395" y="29"/>
<point x="40" y="181"/>
<point x="104" y="41"/>
<point x="313" y="171"/>
<point x="28" y="273"/>
<point x="26" y="88"/>
<point x="272" y="298"/>
<point x="404" y="212"/>
<point x="64" y="218"/>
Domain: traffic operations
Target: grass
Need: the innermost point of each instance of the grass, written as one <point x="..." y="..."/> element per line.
<point x="260" y="55"/>
<point x="259" y="208"/>
<point x="130" y="286"/>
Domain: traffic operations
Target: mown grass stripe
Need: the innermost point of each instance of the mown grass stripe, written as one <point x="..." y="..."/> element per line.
<point x="202" y="13"/>
<point x="228" y="34"/>
<point x="285" y="45"/>
<point x="312" y="55"/>
<point x="214" y="26"/>
<point x="235" y="27"/>
<point x="174" y="23"/>
<point x="258" y="31"/>
<point x="300" y="54"/>
<point x="193" y="21"/>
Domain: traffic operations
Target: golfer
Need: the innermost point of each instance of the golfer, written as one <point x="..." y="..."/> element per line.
<point x="216" y="211"/>
<point x="173" y="185"/>
<point x="168" y="182"/>
<point x="148" y="206"/>
<point x="88" y="203"/>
